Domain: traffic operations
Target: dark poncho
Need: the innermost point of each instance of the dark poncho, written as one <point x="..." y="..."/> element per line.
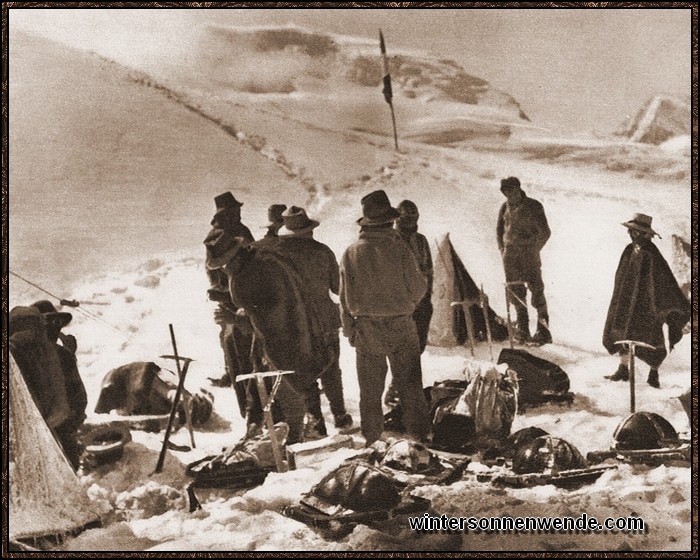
<point x="646" y="295"/>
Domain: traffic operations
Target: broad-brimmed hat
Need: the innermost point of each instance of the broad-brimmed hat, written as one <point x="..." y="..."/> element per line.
<point x="377" y="210"/>
<point x="296" y="222"/>
<point x="640" y="222"/>
<point x="509" y="183"/>
<point x="226" y="201"/>
<point x="274" y="215"/>
<point x="47" y="309"/>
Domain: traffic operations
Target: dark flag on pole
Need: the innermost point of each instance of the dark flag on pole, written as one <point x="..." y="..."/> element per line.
<point x="386" y="90"/>
<point x="387" y="77"/>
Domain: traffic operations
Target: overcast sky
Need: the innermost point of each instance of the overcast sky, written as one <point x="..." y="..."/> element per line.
<point x="574" y="69"/>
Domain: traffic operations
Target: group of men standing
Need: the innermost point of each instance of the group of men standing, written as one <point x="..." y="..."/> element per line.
<point x="384" y="285"/>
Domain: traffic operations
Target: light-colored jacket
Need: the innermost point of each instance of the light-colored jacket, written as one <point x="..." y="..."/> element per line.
<point x="379" y="277"/>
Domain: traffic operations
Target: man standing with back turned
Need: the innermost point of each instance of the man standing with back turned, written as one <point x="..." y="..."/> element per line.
<point x="380" y="287"/>
<point x="522" y="232"/>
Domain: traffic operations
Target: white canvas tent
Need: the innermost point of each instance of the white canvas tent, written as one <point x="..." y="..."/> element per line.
<point x="45" y="495"/>
<point x="452" y="283"/>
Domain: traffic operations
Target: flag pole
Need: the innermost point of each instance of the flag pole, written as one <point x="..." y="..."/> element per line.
<point x="387" y="87"/>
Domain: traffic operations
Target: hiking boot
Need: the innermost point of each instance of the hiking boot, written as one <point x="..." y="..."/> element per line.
<point x="224" y="381"/>
<point x="343" y="421"/>
<point x="622" y="374"/>
<point x="542" y="336"/>
<point x="653" y="378"/>
<point x="391" y="398"/>
<point x="315" y="428"/>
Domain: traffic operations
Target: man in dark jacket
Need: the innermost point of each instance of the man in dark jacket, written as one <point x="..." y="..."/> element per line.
<point x="54" y="321"/>
<point x="646" y="295"/>
<point x="38" y="361"/>
<point x="235" y="341"/>
<point x="317" y="266"/>
<point x="522" y="232"/>
<point x="380" y="287"/>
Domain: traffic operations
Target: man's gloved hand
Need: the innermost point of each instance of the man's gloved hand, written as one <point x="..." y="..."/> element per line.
<point x="224" y="315"/>
<point x="69" y="342"/>
<point x="348" y="323"/>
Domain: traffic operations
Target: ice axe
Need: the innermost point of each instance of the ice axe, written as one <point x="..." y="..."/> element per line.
<point x="632" y="345"/>
<point x="186" y="405"/>
<point x="509" y="294"/>
<point x="484" y="302"/>
<point x="267" y="401"/>
<point x="176" y="399"/>
<point x="466" y="308"/>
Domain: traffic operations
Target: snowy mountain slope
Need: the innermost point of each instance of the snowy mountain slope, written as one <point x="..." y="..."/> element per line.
<point x="662" y="117"/>
<point x="304" y="68"/>
<point x="154" y="276"/>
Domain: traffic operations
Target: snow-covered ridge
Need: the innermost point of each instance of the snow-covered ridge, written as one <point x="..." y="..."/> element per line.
<point x="661" y="118"/>
<point x="334" y="59"/>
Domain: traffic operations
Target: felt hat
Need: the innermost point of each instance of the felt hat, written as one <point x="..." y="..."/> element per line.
<point x="47" y="309"/>
<point x="377" y="210"/>
<point x="640" y="222"/>
<point x="226" y="201"/>
<point x="296" y="222"/>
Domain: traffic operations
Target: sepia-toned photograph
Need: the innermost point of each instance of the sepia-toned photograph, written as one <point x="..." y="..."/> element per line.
<point x="382" y="278"/>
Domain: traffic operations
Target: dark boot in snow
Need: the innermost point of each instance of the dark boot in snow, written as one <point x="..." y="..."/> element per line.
<point x="343" y="421"/>
<point x="622" y="374"/>
<point x="224" y="381"/>
<point x="653" y="378"/>
<point x="542" y="334"/>
<point x="315" y="428"/>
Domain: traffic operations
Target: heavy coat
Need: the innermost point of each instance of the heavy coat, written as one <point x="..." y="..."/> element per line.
<point x="282" y="314"/>
<point x="421" y="251"/>
<point x="646" y="295"/>
<point x="39" y="364"/>
<point x="522" y="225"/>
<point x="317" y="265"/>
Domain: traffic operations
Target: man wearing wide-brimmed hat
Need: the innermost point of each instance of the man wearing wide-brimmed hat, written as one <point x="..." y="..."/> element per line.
<point x="646" y="295"/>
<point x="40" y="365"/>
<point x="235" y="343"/>
<point x="380" y="287"/>
<point x="318" y="267"/>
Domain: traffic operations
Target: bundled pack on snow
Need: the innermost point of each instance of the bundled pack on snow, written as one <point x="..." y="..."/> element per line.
<point x="244" y="465"/>
<point x="357" y="492"/>
<point x="477" y="412"/>
<point x="646" y="438"/>
<point x="539" y="381"/>
<point x="375" y="487"/>
<point x="544" y="459"/>
<point x="521" y="438"/>
<point x="138" y="389"/>
<point x="547" y="453"/>
<point x="471" y="413"/>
